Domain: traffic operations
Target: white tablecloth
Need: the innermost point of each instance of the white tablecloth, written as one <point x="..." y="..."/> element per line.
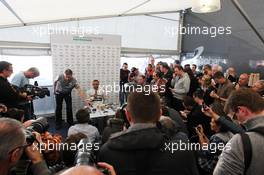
<point x="99" y="113"/>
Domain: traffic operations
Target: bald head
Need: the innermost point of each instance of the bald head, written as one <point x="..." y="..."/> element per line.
<point x="80" y="170"/>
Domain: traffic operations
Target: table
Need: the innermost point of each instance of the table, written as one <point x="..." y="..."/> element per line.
<point x="99" y="113"/>
<point x="99" y="118"/>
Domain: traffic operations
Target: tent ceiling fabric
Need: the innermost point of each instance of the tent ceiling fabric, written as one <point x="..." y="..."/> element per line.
<point x="242" y="43"/>
<point x="34" y="11"/>
<point x="6" y="17"/>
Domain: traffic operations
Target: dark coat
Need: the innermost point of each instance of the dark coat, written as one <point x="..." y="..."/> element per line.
<point x="197" y="117"/>
<point x="8" y="94"/>
<point x="143" y="152"/>
<point x="114" y="125"/>
<point x="175" y="116"/>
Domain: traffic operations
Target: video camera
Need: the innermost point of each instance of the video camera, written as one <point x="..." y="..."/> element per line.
<point x="86" y="156"/>
<point x="35" y="90"/>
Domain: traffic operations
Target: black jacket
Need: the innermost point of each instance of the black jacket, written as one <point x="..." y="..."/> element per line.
<point x="114" y="125"/>
<point x="197" y="117"/>
<point x="208" y="100"/>
<point x="143" y="152"/>
<point x="176" y="117"/>
<point x="8" y="95"/>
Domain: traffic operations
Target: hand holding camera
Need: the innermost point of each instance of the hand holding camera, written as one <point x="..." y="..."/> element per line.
<point x="32" y="152"/>
<point x="202" y="137"/>
<point x="199" y="130"/>
<point x="209" y="112"/>
<point x="108" y="167"/>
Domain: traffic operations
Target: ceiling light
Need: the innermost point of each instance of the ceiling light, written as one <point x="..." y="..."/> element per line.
<point x="205" y="6"/>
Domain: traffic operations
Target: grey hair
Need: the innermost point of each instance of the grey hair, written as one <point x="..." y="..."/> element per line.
<point x="34" y="70"/>
<point x="12" y="134"/>
<point x="217" y="67"/>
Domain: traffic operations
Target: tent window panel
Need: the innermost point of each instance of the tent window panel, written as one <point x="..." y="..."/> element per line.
<point x="23" y="63"/>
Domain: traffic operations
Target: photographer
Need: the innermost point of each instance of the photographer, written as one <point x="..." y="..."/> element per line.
<point x="13" y="144"/>
<point x="20" y="80"/>
<point x="208" y="158"/>
<point x="246" y="155"/>
<point x="9" y="96"/>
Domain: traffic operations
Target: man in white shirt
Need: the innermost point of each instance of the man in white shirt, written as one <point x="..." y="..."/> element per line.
<point x="95" y="95"/>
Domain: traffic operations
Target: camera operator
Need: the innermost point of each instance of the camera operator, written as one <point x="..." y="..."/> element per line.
<point x="13" y="144"/>
<point x="9" y="96"/>
<point x="22" y="78"/>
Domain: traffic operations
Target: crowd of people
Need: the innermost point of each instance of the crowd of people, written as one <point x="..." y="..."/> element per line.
<point x="196" y="122"/>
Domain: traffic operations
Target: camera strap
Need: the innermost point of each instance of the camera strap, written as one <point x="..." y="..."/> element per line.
<point x="247" y="146"/>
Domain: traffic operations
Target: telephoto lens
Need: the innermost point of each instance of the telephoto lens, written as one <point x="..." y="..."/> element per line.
<point x="40" y="125"/>
<point x="84" y="155"/>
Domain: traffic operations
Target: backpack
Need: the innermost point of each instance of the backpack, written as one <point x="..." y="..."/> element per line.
<point x="248" y="147"/>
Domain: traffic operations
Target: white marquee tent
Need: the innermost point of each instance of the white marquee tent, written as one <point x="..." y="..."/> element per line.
<point x="27" y="12"/>
<point x="146" y="26"/>
<point x="25" y="23"/>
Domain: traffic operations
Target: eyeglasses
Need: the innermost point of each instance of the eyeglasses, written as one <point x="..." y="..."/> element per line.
<point x="9" y="70"/>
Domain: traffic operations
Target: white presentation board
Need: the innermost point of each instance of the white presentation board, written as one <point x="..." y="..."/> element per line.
<point x="89" y="57"/>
